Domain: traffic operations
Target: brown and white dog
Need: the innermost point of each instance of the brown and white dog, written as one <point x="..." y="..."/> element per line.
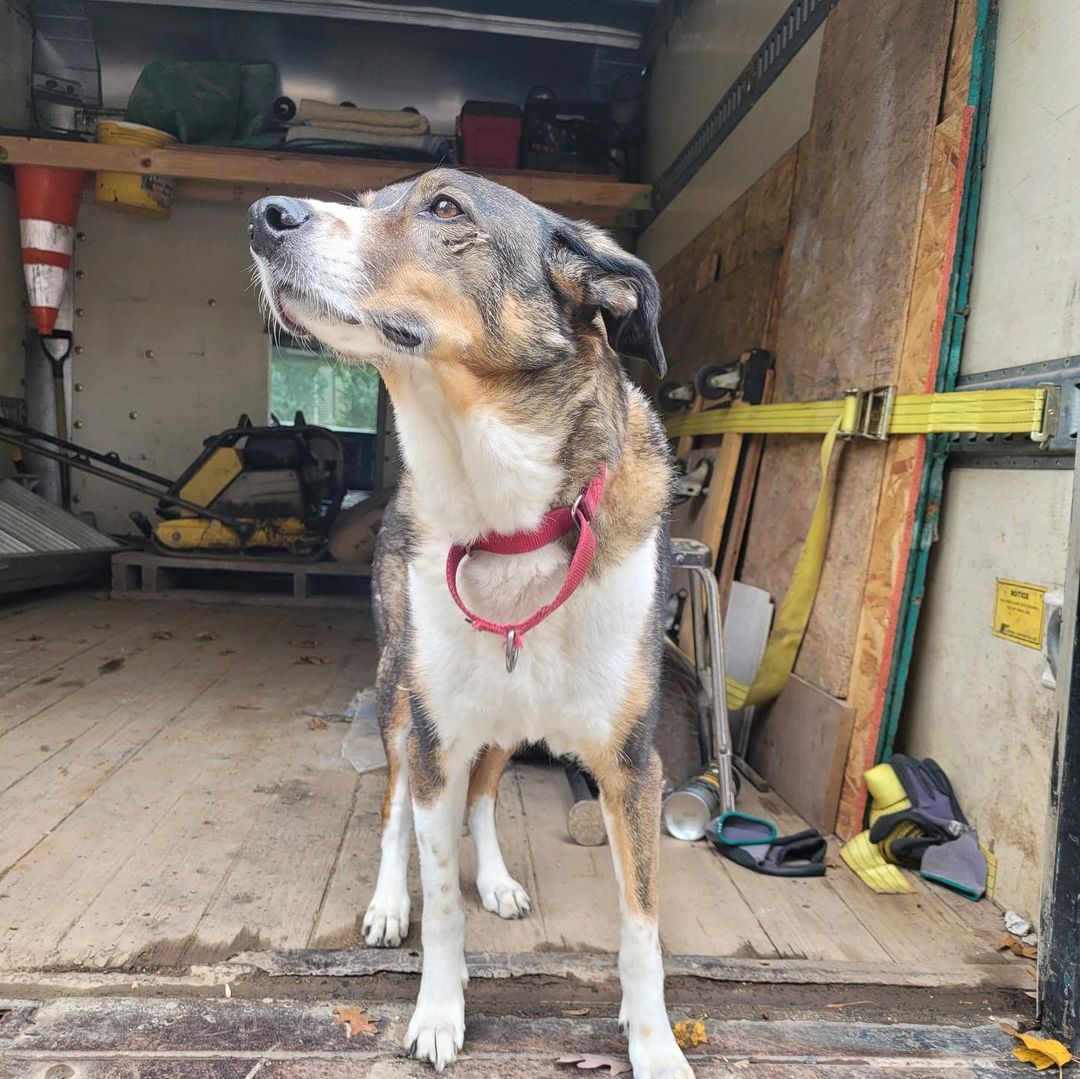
<point x="495" y="326"/>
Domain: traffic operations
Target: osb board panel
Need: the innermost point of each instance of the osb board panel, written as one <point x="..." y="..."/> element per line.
<point x="754" y="223"/>
<point x="718" y="323"/>
<point x="961" y="50"/>
<point x="903" y="469"/>
<point x="800" y="746"/>
<point x="860" y="178"/>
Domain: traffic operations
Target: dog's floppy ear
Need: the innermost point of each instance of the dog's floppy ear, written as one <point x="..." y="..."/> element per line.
<point x="589" y="269"/>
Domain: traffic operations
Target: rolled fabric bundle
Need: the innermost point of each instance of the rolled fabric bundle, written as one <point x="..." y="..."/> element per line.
<point x="374" y="121"/>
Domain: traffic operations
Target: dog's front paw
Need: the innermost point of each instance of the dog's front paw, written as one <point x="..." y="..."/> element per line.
<point x="504" y="896"/>
<point x="386" y="924"/>
<point x="436" y="1032"/>
<point x="658" y="1057"/>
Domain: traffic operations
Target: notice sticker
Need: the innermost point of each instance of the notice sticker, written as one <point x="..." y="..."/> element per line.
<point x="1018" y="613"/>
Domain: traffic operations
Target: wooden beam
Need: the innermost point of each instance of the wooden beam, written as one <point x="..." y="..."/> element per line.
<point x="245" y="194"/>
<point x="575" y="193"/>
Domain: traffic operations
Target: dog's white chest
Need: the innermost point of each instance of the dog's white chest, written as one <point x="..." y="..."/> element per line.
<point x="572" y="675"/>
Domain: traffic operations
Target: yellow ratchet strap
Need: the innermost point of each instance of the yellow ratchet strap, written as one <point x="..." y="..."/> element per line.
<point x="1013" y="411"/>
<point x="790" y="623"/>
<point x="873" y="414"/>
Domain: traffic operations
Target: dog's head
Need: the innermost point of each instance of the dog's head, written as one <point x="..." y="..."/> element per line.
<point x="450" y="268"/>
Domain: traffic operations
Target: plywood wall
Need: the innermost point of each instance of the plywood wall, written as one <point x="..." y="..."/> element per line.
<point x="861" y="175"/>
<point x="719" y="291"/>
<point x="853" y="303"/>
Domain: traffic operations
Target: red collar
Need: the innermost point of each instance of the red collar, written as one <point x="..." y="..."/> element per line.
<point x="555" y="524"/>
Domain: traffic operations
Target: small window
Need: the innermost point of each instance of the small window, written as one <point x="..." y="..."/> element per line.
<point x="327" y="390"/>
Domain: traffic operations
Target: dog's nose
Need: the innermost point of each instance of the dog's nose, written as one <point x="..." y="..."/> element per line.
<point x="271" y="220"/>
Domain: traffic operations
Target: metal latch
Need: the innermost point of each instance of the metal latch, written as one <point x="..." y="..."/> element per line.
<point x="867" y="413"/>
<point x="1051" y="417"/>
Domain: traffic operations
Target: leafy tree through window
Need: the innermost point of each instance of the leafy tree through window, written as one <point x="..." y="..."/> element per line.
<point x="329" y="391"/>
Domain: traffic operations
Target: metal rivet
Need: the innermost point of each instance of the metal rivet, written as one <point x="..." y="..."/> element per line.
<point x="79" y="311"/>
<point x="77" y="387"/>
<point x="79" y="350"/>
<point x="133" y="415"/>
<point x="78" y="425"/>
<point x="80" y="274"/>
<point x="211" y="302"/>
<point x="74" y="498"/>
<point x="80" y="235"/>
<point x="149" y="353"/>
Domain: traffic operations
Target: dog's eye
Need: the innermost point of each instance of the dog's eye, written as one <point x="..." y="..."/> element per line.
<point x="446" y="208"/>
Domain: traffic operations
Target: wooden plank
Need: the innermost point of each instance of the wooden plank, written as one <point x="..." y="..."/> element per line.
<point x="276" y="795"/>
<point x="754" y="224"/>
<point x="306" y="170"/>
<point x="799" y="745"/>
<point x="961" y="52"/>
<point x="690" y="913"/>
<point x="890" y="541"/>
<point x="917" y="928"/>
<point x="717" y="324"/>
<point x="298" y="1039"/>
<point x="107" y="833"/>
<point x="804" y="918"/>
<point x="587" y="969"/>
<point x="244" y="194"/>
<point x="71" y="657"/>
<point x="860" y="177"/>
<point x="753" y="446"/>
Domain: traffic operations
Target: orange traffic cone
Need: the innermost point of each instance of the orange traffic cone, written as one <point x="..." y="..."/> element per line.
<point x="48" y="209"/>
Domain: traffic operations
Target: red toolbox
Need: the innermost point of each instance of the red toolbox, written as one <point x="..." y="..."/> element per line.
<point x="489" y="135"/>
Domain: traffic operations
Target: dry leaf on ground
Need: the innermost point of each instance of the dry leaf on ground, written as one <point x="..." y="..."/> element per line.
<point x="588" y="1062"/>
<point x="318" y="725"/>
<point x="162" y="635"/>
<point x="315" y="661"/>
<point x="1009" y="943"/>
<point x="110" y="665"/>
<point x="205" y="635"/>
<point x="32" y="637"/>
<point x="355" y="1020"/>
<point x="305" y="644"/>
<point x="690" y="1032"/>
<point x="1043" y="1053"/>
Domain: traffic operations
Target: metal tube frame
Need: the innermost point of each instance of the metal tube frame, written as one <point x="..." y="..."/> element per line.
<point x="713" y="677"/>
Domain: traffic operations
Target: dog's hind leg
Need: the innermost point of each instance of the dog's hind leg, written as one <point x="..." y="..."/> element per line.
<point x="499" y="892"/>
<point x="630" y="799"/>
<point x="386" y="923"/>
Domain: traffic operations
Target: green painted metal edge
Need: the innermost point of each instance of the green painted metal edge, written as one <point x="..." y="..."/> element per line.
<point x="928" y="507"/>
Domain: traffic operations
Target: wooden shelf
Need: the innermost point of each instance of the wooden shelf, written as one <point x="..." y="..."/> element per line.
<point x="244" y="175"/>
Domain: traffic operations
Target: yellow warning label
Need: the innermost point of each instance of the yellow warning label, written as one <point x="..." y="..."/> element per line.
<point x="1018" y="613"/>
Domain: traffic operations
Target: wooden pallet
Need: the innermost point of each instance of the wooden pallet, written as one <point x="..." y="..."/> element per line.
<point x="148" y="575"/>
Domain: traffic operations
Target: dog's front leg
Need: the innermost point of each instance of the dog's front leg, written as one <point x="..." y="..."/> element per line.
<point x="438" y="781"/>
<point x="630" y="799"/>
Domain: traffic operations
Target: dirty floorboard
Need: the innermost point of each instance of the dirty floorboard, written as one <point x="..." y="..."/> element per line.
<point x="172" y="792"/>
<point x="241" y="1039"/>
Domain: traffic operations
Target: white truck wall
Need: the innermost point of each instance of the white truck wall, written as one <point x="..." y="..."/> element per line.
<point x="173" y="344"/>
<point x="975" y="702"/>
<point x="707" y="47"/>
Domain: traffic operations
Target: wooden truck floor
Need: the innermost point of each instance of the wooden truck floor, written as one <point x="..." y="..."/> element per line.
<point x="175" y="818"/>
